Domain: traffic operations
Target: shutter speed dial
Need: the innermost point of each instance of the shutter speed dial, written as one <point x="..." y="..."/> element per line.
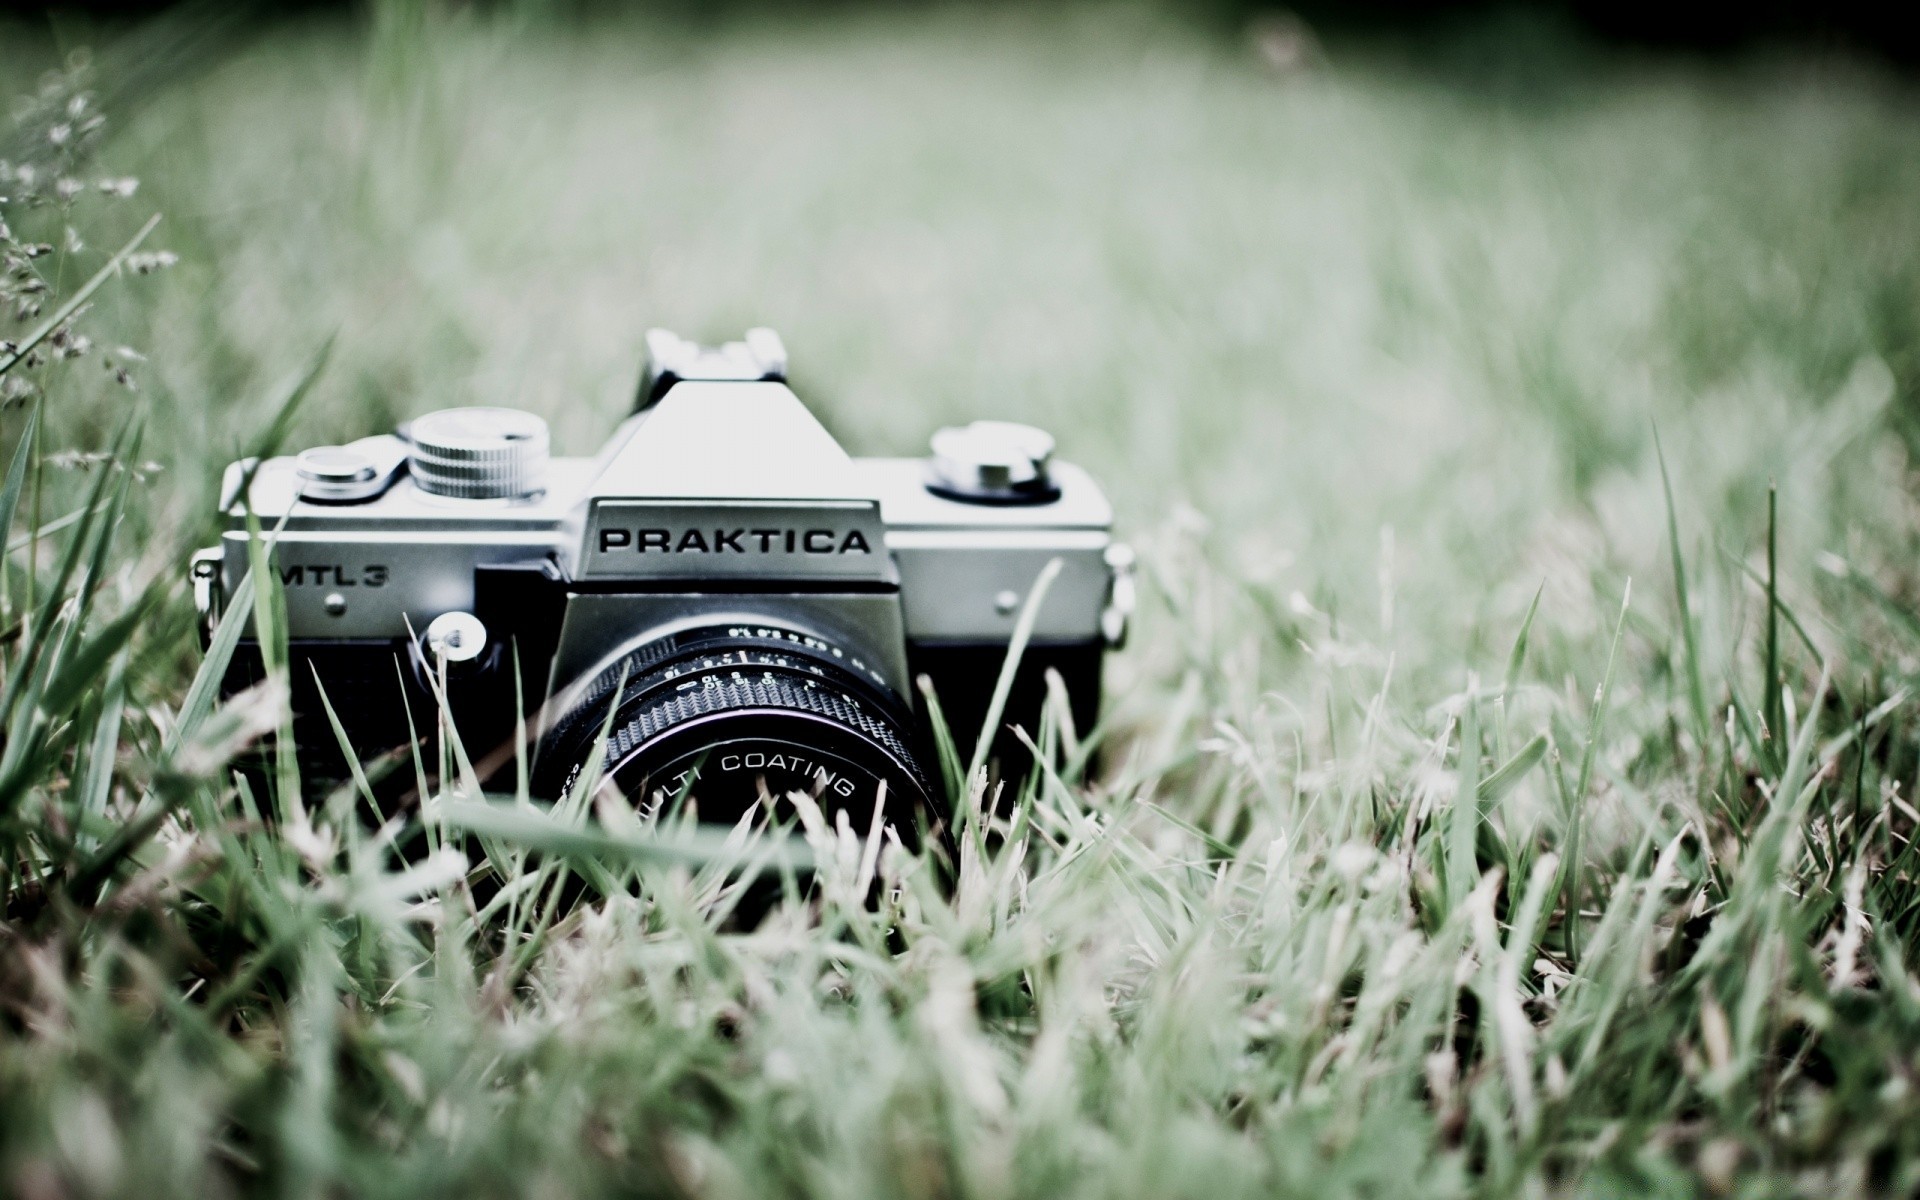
<point x="478" y="453"/>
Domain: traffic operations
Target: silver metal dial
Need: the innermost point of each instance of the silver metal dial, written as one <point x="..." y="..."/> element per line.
<point x="992" y="460"/>
<point x="352" y="473"/>
<point x="334" y="465"/>
<point x="479" y="453"/>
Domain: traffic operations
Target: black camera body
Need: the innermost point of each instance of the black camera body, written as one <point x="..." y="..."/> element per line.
<point x="722" y="596"/>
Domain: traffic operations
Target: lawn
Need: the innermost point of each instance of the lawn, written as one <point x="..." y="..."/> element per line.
<point x="1484" y="806"/>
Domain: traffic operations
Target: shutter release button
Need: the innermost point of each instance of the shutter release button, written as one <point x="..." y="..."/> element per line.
<point x="993" y="462"/>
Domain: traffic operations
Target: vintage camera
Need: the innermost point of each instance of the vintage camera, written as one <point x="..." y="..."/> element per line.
<point x="738" y="606"/>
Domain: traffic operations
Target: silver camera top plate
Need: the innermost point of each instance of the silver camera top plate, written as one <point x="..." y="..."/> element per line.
<point x="718" y="486"/>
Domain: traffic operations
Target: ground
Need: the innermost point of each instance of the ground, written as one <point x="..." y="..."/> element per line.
<point x="1379" y="346"/>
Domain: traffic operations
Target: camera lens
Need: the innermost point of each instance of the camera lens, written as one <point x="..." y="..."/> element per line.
<point x="733" y="714"/>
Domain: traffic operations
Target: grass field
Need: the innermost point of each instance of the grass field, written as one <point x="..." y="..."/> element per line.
<point x="1483" y="811"/>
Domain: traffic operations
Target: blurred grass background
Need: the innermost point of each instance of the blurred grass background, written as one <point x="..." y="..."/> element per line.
<point x="1369" y="337"/>
<point x="1368" y="289"/>
<point x="1352" y="294"/>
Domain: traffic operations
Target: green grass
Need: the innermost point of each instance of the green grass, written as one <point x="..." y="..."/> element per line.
<point x="1487" y="808"/>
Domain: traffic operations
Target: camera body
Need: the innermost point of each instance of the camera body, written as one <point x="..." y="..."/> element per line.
<point x="737" y="606"/>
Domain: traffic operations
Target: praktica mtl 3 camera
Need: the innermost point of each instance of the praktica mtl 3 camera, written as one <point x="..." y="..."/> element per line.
<point x="739" y="606"/>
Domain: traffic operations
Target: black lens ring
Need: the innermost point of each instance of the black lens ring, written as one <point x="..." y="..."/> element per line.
<point x="654" y="660"/>
<point x="837" y="765"/>
<point x="733" y="676"/>
<point x="671" y="659"/>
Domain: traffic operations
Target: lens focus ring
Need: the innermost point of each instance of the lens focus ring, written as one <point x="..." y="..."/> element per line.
<point x="734" y="715"/>
<point x="769" y="691"/>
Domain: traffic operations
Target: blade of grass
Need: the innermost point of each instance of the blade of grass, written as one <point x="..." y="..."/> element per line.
<point x="532" y="829"/>
<point x="1774" y="708"/>
<point x="1463" y="820"/>
<point x="32" y="660"/>
<point x="1787" y="612"/>
<point x="347" y="750"/>
<point x="205" y="688"/>
<point x="96" y="782"/>
<point x="62" y="314"/>
<point x="1495" y="787"/>
<point x="1577" y="798"/>
<point x="81" y="672"/>
<point x="285" y="399"/>
<point x="17" y="471"/>
<point x="1009" y="668"/>
<point x="45" y="531"/>
<point x="270" y="635"/>
<point x="1689" y="637"/>
<point x="1517" y="657"/>
<point x="944" y="748"/>
<point x="192" y="713"/>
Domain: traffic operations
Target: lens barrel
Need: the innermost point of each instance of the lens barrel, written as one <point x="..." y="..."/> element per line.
<point x="728" y="715"/>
